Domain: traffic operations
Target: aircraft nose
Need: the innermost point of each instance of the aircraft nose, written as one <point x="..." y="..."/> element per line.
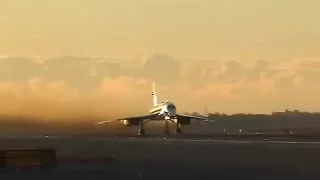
<point x="171" y="111"/>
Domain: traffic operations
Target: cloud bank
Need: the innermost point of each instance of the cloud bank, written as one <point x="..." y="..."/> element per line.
<point x="80" y="87"/>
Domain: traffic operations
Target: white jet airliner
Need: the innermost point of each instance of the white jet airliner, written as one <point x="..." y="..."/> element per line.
<point x="164" y="111"/>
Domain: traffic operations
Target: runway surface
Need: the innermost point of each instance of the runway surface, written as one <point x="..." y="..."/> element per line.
<point x="173" y="158"/>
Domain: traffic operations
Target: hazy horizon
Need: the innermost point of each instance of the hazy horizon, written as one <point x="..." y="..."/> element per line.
<point x="98" y="58"/>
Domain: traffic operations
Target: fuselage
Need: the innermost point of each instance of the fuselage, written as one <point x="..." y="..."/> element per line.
<point x="166" y="110"/>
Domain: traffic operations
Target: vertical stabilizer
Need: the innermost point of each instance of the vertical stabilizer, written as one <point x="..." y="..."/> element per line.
<point x="153" y="93"/>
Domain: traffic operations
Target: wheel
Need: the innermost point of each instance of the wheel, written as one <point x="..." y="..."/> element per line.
<point x="166" y="128"/>
<point x="142" y="132"/>
<point x="166" y="132"/>
<point x="178" y="131"/>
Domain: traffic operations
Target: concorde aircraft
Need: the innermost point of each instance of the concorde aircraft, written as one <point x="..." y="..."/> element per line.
<point x="164" y="111"/>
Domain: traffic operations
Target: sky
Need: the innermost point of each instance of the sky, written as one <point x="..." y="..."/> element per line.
<point x="99" y="57"/>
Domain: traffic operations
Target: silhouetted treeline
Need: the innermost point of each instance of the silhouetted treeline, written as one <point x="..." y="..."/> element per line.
<point x="275" y="120"/>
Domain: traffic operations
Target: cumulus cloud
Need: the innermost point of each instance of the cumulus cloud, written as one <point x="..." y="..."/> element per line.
<point x="91" y="86"/>
<point x="121" y="95"/>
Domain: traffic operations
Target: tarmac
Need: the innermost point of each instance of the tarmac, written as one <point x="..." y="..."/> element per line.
<point x="170" y="158"/>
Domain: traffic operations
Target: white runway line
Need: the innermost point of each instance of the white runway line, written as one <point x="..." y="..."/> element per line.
<point x="255" y="142"/>
<point x="216" y="141"/>
<point x="247" y="142"/>
<point x="32" y="137"/>
<point x="210" y="140"/>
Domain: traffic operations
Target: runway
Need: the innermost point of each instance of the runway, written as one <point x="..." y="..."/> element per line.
<point x="177" y="158"/>
<point x="217" y="141"/>
<point x="173" y="139"/>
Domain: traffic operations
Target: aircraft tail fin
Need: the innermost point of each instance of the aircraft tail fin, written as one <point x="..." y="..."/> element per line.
<point x="153" y="93"/>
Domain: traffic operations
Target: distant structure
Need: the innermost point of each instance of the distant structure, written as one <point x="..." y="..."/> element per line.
<point x="294" y="113"/>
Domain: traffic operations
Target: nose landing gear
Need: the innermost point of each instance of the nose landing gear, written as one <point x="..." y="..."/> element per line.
<point x="178" y="128"/>
<point x="166" y="128"/>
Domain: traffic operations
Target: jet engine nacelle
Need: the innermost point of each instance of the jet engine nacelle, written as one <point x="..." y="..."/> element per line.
<point x="183" y="121"/>
<point x="130" y="122"/>
<point x="126" y="123"/>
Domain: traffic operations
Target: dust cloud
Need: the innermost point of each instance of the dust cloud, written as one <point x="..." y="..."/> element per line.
<point x="24" y="110"/>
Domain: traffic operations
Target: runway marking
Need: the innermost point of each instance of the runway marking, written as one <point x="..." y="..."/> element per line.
<point x="219" y="141"/>
<point x="164" y="139"/>
<point x="211" y="140"/>
<point x="247" y="142"/>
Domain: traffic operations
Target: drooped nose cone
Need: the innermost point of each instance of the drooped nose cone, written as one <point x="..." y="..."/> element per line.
<point x="171" y="109"/>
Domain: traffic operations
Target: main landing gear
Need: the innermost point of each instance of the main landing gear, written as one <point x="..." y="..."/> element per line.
<point x="167" y="130"/>
<point x="178" y="129"/>
<point x="141" y="128"/>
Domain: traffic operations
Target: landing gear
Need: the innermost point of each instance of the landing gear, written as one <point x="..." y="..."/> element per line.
<point x="178" y="128"/>
<point x="142" y="132"/>
<point x="166" y="128"/>
<point x="141" y="128"/>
